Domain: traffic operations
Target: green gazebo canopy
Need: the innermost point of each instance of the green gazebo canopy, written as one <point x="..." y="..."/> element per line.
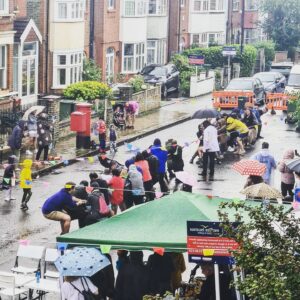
<point x="160" y="223"/>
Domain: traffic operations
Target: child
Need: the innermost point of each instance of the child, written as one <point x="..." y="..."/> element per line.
<point x="102" y="135"/>
<point x="26" y="182"/>
<point x="117" y="185"/>
<point x="112" y="138"/>
<point x="9" y="178"/>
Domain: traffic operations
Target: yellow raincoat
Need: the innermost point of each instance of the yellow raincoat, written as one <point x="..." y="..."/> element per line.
<point x="236" y="125"/>
<point x="25" y="176"/>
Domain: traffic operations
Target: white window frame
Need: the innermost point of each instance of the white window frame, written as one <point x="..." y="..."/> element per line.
<point x="111" y="4"/>
<point x="140" y="8"/>
<point x="236" y="5"/>
<point x="5" y="10"/>
<point x="109" y="64"/>
<point x="73" y="67"/>
<point x="3" y="67"/>
<point x="158" y="51"/>
<point x="204" y="38"/>
<point x="207" y="6"/>
<point x="160" y="8"/>
<point x="138" y="58"/>
<point x="182" y="3"/>
<point x="75" y="10"/>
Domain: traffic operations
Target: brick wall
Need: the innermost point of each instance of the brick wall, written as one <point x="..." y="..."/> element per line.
<point x="21" y="5"/>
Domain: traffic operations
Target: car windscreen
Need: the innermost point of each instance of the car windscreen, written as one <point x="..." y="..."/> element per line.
<point x="154" y="71"/>
<point x="294" y="80"/>
<point x="265" y="77"/>
<point x="240" y="85"/>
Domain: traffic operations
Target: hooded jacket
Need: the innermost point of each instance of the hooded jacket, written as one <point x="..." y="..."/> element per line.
<point x="25" y="176"/>
<point x="44" y="129"/>
<point x="15" y="139"/>
<point x="236" y="125"/>
<point x="162" y="156"/>
<point x="287" y="176"/>
<point x="136" y="180"/>
<point x="266" y="158"/>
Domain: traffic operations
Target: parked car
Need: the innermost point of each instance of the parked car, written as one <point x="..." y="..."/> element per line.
<point x="293" y="84"/>
<point x="273" y="82"/>
<point x="167" y="76"/>
<point x="248" y="84"/>
<point x="282" y="67"/>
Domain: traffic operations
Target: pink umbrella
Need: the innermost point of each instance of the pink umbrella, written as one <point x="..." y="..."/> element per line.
<point x="186" y="178"/>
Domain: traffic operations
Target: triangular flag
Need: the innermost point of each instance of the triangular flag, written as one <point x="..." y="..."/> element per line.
<point x="113" y="102"/>
<point x="52" y="162"/>
<point x="105" y="249"/>
<point x="6" y="180"/>
<point x="208" y="252"/>
<point x="158" y="195"/>
<point x="24" y="242"/>
<point x="159" y="251"/>
<point x="209" y="196"/>
<point x="91" y="159"/>
<point x="66" y="162"/>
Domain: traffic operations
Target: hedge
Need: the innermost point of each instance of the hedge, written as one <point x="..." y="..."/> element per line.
<point x="87" y="91"/>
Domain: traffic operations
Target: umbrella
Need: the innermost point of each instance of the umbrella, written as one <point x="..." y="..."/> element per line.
<point x="37" y="109"/>
<point x="81" y="261"/>
<point x="294" y="165"/>
<point x="206" y="114"/>
<point x="261" y="190"/>
<point x="186" y="178"/>
<point x="250" y="167"/>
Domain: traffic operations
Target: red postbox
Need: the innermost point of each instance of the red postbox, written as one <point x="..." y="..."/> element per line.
<point x="81" y="123"/>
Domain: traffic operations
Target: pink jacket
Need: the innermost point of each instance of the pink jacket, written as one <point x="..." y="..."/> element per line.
<point x="143" y="164"/>
<point x="287" y="176"/>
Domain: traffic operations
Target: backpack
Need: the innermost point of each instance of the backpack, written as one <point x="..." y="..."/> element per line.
<point x="87" y="294"/>
<point x="103" y="207"/>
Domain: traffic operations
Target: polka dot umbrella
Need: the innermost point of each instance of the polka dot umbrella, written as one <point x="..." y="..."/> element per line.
<point x="81" y="261"/>
<point x="249" y="167"/>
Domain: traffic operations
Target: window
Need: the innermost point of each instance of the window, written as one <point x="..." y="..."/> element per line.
<point x="251" y="36"/>
<point x="206" y="38"/>
<point x="250" y="4"/>
<point x="69" y="10"/>
<point x="156" y="52"/>
<point x="67" y="68"/>
<point x="134" y="57"/>
<point x="182" y="3"/>
<point x="195" y="39"/>
<point x="157" y="7"/>
<point x="3" y="67"/>
<point x="111" y="4"/>
<point x="201" y="5"/>
<point x="236" y="5"/>
<point x="208" y="5"/>
<point x="110" y="58"/>
<point x="4" y="8"/>
<point x="135" y="8"/>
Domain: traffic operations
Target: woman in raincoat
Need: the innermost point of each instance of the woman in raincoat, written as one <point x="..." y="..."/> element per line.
<point x="26" y="183"/>
<point x="287" y="176"/>
<point x="44" y="138"/>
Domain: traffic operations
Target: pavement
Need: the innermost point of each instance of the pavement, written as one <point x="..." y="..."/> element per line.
<point x="31" y="225"/>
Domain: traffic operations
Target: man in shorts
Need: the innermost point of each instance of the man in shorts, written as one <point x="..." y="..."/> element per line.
<point x="53" y="208"/>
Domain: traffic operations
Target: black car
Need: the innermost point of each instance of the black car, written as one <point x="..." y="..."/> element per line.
<point x="248" y="84"/>
<point x="167" y="76"/>
<point x="273" y="82"/>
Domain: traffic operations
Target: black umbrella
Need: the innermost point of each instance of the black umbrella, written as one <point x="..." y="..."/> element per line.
<point x="208" y="113"/>
<point x="294" y="165"/>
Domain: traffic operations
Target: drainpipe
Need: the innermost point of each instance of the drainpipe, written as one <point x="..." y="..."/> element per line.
<point x="92" y="28"/>
<point x="47" y="45"/>
<point x="179" y="25"/>
<point x="242" y="26"/>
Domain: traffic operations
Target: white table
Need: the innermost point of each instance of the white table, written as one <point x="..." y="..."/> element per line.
<point x="20" y="279"/>
<point x="44" y="286"/>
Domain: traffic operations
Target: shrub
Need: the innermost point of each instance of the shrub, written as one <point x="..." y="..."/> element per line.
<point x="137" y="82"/>
<point x="87" y="91"/>
<point x="91" y="71"/>
<point x="269" y="48"/>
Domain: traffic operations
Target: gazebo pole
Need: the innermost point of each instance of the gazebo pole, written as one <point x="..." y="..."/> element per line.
<point x="217" y="282"/>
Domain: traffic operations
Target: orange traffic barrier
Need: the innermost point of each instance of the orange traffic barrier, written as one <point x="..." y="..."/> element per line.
<point x="277" y="101"/>
<point x="230" y="100"/>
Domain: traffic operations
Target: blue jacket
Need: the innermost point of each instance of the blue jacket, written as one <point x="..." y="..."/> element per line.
<point x="162" y="156"/>
<point x="15" y="139"/>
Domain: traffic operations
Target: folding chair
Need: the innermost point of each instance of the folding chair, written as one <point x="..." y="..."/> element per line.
<point x="28" y="252"/>
<point x="8" y="287"/>
<point x="50" y="257"/>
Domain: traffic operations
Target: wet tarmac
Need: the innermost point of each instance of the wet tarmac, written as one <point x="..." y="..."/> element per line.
<point x="16" y="224"/>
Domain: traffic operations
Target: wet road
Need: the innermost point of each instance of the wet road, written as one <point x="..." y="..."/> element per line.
<point x="16" y="224"/>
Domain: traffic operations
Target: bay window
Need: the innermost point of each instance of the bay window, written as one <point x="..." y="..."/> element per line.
<point x="4" y="7"/>
<point x="134" y="8"/>
<point x="206" y="38"/>
<point x="156" y="51"/>
<point x="67" y="68"/>
<point x="3" y="67"/>
<point x="69" y="10"/>
<point x="133" y="57"/>
<point x="157" y="7"/>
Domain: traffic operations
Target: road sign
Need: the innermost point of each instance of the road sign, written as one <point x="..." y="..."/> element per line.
<point x="196" y="60"/>
<point x="205" y="240"/>
<point x="229" y="51"/>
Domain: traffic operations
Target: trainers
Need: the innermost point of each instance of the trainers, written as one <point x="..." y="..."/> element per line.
<point x="28" y="152"/>
<point x="230" y="149"/>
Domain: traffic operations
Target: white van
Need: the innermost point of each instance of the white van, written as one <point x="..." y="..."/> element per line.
<point x="293" y="85"/>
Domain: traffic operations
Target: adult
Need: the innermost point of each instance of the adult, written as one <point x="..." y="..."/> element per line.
<point x="153" y="165"/>
<point x="160" y="270"/>
<point x="74" y="287"/>
<point x="44" y="138"/>
<point x="82" y="194"/>
<point x="287" y="176"/>
<point x="132" y="279"/>
<point x="102" y="135"/>
<point x="175" y="155"/>
<point x="210" y="147"/>
<point x="253" y="179"/>
<point x="53" y="208"/>
<point x="32" y="130"/>
<point x="258" y="113"/>
<point x="162" y="156"/>
<point x="251" y="122"/>
<point x="179" y="268"/>
<point x="15" y="139"/>
<point x="102" y="185"/>
<point x="199" y="134"/>
<point x="135" y="187"/>
<point x="147" y="178"/>
<point x="266" y="158"/>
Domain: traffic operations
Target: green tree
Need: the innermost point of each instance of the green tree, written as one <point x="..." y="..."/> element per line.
<point x="91" y="71"/>
<point x="269" y="250"/>
<point x="282" y="22"/>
